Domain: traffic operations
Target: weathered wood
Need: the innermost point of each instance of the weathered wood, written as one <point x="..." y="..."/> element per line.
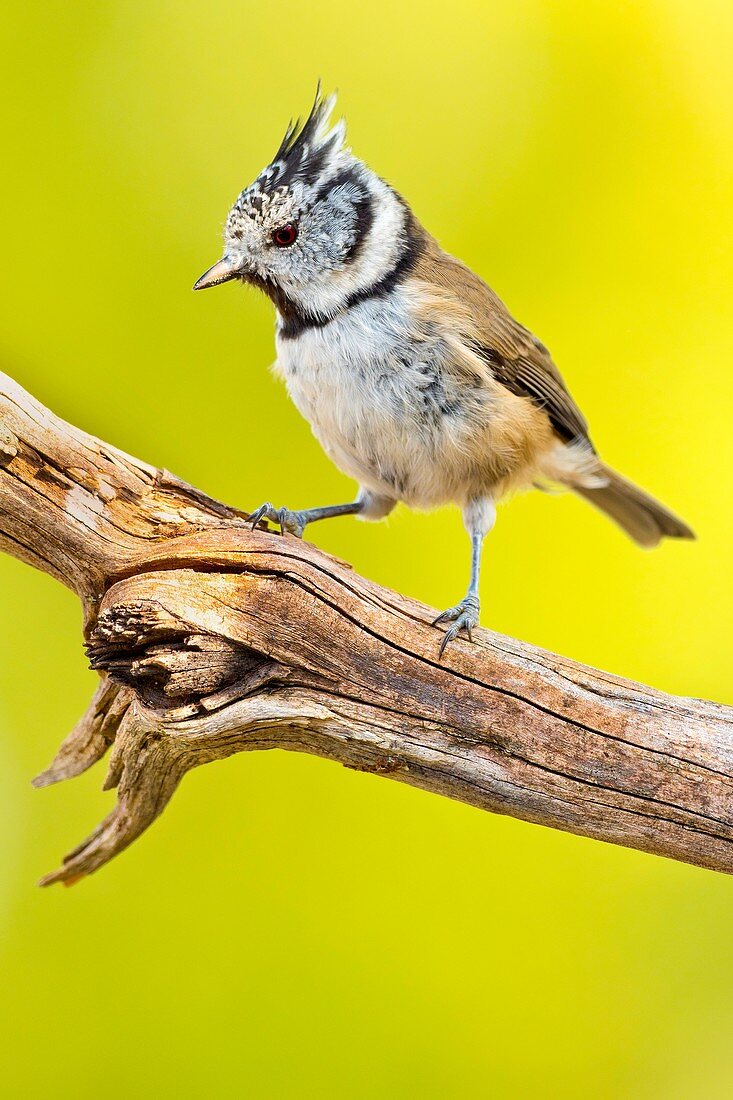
<point x="213" y="639"/>
<point x="81" y="510"/>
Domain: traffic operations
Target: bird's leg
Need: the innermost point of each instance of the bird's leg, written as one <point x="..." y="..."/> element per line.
<point x="295" y="522"/>
<point x="478" y="517"/>
<point x="368" y="505"/>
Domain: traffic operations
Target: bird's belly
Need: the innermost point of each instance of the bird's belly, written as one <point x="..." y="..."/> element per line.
<point x="395" y="407"/>
<point x="380" y="410"/>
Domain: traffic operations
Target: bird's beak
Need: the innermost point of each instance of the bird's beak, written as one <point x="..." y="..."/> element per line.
<point x="221" y="272"/>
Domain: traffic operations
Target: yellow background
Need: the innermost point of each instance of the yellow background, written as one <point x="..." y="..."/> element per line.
<point x="289" y="928"/>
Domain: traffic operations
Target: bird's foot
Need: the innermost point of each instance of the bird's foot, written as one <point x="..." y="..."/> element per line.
<point x="464" y="616"/>
<point x="292" y="522"/>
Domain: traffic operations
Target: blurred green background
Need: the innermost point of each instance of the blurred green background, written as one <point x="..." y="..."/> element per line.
<point x="289" y="928"/>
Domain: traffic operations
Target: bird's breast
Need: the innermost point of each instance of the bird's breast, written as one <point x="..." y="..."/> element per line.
<point x="379" y="398"/>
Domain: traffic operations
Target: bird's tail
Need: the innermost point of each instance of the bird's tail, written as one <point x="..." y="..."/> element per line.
<point x="640" y="515"/>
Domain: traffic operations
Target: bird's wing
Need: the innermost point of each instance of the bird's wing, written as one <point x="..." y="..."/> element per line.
<point x="514" y="356"/>
<point x="535" y="376"/>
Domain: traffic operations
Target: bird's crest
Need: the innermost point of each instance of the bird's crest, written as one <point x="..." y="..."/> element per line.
<point x="309" y="150"/>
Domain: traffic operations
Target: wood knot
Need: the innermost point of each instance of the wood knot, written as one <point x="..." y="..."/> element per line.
<point x="9" y="444"/>
<point x="140" y="644"/>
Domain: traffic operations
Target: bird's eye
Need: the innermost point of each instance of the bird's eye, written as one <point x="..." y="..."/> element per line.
<point x="285" y="235"/>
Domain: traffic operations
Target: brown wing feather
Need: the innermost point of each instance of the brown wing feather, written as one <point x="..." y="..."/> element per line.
<point x="515" y="357"/>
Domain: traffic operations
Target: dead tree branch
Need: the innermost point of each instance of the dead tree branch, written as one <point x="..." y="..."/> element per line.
<point x="212" y="639"/>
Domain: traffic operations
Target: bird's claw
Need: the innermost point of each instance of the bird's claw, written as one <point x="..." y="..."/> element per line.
<point x="292" y="522"/>
<point x="464" y="616"/>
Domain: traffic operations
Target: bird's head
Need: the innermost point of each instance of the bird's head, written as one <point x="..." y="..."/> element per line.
<point x="316" y="227"/>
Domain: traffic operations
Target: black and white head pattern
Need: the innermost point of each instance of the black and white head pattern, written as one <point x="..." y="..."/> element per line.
<point x="317" y="226"/>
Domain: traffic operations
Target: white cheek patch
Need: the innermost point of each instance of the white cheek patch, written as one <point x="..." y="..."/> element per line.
<point x="326" y="292"/>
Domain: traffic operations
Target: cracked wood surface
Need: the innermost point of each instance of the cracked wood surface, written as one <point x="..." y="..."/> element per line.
<point x="212" y="639"/>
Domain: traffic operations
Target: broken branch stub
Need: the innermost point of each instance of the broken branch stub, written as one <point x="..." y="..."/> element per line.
<point x="212" y="639"/>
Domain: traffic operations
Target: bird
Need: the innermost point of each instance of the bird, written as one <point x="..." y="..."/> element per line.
<point x="416" y="379"/>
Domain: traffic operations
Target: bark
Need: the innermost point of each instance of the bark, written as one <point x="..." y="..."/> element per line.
<point x="211" y="638"/>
